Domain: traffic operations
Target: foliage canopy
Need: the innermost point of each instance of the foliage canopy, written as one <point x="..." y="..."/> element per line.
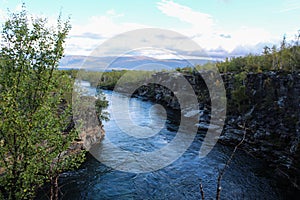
<point x="35" y="125"/>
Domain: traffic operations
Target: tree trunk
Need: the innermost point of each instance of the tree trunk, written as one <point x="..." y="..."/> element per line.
<point x="54" y="188"/>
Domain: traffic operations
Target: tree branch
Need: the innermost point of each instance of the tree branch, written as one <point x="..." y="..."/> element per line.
<point x="202" y="191"/>
<point x="219" y="188"/>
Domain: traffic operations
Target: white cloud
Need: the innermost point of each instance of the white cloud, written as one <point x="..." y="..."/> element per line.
<point x="201" y="21"/>
<point x="290" y="5"/>
<point x="113" y="13"/>
<point x="3" y="16"/>
<point x="246" y="36"/>
<point x="206" y="32"/>
<point x="83" y="38"/>
<point x="81" y="42"/>
<point x="155" y="53"/>
<point x="203" y="29"/>
<point x="19" y="7"/>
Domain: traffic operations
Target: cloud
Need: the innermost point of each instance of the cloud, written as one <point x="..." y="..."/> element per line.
<point x="19" y="7"/>
<point x="202" y="28"/>
<point x="85" y="37"/>
<point x="198" y="20"/>
<point x="3" y="16"/>
<point x="89" y="35"/>
<point x="225" y="36"/>
<point x="113" y="13"/>
<point x="241" y="50"/>
<point x="205" y="30"/>
<point x="290" y="5"/>
<point x="249" y="36"/>
<point x="219" y="52"/>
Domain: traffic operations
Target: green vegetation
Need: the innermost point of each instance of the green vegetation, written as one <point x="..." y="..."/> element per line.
<point x="286" y="58"/>
<point x="109" y="79"/>
<point x="93" y="78"/>
<point x="36" y="130"/>
<point x="101" y="104"/>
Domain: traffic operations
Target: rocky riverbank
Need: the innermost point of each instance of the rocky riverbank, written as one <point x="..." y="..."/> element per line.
<point x="87" y="123"/>
<point x="267" y="103"/>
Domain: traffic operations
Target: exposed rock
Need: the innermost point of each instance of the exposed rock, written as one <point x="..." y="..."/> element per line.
<point x="270" y="109"/>
<point x="191" y="113"/>
<point x="205" y="126"/>
<point x="88" y="123"/>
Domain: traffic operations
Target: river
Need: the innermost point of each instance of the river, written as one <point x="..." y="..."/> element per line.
<point x="246" y="178"/>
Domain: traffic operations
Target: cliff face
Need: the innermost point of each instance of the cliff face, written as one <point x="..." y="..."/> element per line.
<point x="87" y="123"/>
<point x="270" y="107"/>
<point x="268" y="103"/>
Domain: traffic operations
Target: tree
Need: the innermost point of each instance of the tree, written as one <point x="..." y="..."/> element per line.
<point x="267" y="57"/>
<point x="35" y="126"/>
<point x="223" y="169"/>
<point x="275" y="58"/>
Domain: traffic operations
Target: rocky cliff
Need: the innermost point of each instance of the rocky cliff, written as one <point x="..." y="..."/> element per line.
<point x="267" y="103"/>
<point x="87" y="123"/>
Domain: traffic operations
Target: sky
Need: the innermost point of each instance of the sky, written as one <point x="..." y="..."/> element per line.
<point x="221" y="27"/>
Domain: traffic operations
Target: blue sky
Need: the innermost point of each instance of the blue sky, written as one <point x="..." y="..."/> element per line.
<point x="219" y="26"/>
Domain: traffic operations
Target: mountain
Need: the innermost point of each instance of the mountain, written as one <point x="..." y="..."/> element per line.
<point x="126" y="62"/>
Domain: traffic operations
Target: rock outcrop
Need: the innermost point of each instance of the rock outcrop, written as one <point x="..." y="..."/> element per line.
<point x="87" y="123"/>
<point x="267" y="103"/>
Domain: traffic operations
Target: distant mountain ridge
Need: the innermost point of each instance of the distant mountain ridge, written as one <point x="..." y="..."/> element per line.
<point x="128" y="62"/>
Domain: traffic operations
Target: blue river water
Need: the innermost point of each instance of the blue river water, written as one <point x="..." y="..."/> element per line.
<point x="246" y="177"/>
